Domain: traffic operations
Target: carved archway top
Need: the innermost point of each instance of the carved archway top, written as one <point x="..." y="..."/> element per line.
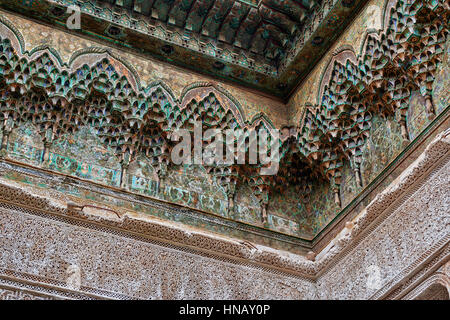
<point x="91" y="57"/>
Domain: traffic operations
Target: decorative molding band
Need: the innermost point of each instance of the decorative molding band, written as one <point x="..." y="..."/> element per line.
<point x="409" y="280"/>
<point x="439" y="277"/>
<point x="101" y="90"/>
<point x="436" y="155"/>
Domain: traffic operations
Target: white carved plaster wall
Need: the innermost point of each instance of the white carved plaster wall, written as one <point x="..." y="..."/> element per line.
<point x="389" y="250"/>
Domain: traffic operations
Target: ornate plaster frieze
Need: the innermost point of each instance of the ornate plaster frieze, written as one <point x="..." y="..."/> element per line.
<point x="440" y="278"/>
<point x="394" y="63"/>
<point x="430" y="272"/>
<point x="250" y="43"/>
<point x="436" y="156"/>
<point x="13" y="293"/>
<point x="108" y="244"/>
<point x="99" y="89"/>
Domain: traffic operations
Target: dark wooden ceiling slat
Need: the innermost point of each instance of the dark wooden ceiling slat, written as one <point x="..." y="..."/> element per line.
<point x="232" y="22"/>
<point x="247" y="29"/>
<point x="274" y="23"/>
<point x="179" y="12"/>
<point x="216" y="17"/>
<point x="163" y="8"/>
<point x="199" y="12"/>
<point x="143" y="6"/>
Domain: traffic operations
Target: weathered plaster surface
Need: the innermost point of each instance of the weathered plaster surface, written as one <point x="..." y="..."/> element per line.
<point x="112" y="263"/>
<point x="420" y="221"/>
<point x="290" y="212"/>
<point x="404" y="227"/>
<point x="403" y="233"/>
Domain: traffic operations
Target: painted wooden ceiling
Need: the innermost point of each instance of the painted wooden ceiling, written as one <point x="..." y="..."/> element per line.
<point x="265" y="28"/>
<point x="267" y="45"/>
